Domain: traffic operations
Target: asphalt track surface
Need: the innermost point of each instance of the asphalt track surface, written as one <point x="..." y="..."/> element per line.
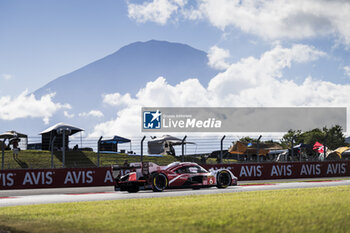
<point x="64" y="195"/>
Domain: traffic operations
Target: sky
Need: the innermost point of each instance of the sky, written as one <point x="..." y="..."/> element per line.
<point x="269" y="53"/>
<point x="42" y="40"/>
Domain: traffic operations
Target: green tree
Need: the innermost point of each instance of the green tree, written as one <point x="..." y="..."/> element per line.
<point x="247" y="139"/>
<point x="312" y="136"/>
<point x="271" y="141"/>
<point x="332" y="138"/>
<point x="286" y="140"/>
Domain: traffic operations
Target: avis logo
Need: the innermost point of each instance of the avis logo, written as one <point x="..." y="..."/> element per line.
<point x="152" y="119"/>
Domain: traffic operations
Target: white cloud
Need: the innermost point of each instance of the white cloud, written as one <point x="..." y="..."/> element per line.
<point x="26" y="105"/>
<point x="158" y="11"/>
<point x="281" y="18"/>
<point x="68" y="115"/>
<point x="156" y="93"/>
<point x="128" y="118"/>
<point x="217" y="56"/>
<point x="347" y="70"/>
<point x="273" y="19"/>
<point x="92" y="113"/>
<point x="7" y="76"/>
<point x="116" y="99"/>
<point x="252" y="72"/>
<point x="249" y="82"/>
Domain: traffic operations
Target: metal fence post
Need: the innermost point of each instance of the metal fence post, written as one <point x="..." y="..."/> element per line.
<point x="324" y="147"/>
<point x="221" y="148"/>
<point x="292" y="149"/>
<point x="98" y="151"/>
<point x="257" y="149"/>
<point x="64" y="148"/>
<point x="52" y="143"/>
<point x="3" y="154"/>
<point x="183" y="149"/>
<point x="144" y="137"/>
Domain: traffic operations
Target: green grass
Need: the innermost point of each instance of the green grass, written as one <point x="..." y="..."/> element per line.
<point x="42" y="159"/>
<point x="297" y="210"/>
<point x="292" y="181"/>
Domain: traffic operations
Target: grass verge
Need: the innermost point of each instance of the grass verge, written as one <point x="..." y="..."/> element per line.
<point x="42" y="159"/>
<point x="308" y="180"/>
<point x="297" y="210"/>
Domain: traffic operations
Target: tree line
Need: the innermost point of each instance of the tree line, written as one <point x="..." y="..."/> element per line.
<point x="332" y="137"/>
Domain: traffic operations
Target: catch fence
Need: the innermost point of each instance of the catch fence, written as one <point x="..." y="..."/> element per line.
<point x="213" y="149"/>
<point x="202" y="144"/>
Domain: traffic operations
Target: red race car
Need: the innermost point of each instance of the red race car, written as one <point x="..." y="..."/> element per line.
<point x="176" y="175"/>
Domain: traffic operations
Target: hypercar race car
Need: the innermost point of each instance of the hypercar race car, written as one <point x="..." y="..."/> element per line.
<point x="175" y="175"/>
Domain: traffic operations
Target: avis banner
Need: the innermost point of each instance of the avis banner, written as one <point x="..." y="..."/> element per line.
<point x="266" y="171"/>
<point x="84" y="177"/>
<point x="55" y="178"/>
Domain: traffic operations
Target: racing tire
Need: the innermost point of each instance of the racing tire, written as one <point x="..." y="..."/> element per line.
<point x="223" y="179"/>
<point x="159" y="182"/>
<point x="133" y="189"/>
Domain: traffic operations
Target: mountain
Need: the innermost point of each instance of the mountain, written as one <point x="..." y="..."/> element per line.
<point x="125" y="71"/>
<point x="128" y="70"/>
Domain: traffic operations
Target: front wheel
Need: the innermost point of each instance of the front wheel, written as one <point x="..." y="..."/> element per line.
<point x="223" y="179"/>
<point x="159" y="182"/>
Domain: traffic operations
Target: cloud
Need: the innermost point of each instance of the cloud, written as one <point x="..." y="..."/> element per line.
<point x="217" y="56"/>
<point x="347" y="70"/>
<point x="273" y="19"/>
<point x="252" y="72"/>
<point x="116" y="99"/>
<point x="128" y="118"/>
<point x="281" y="18"/>
<point x="249" y="82"/>
<point x="26" y="105"/>
<point x="156" y="93"/>
<point x="92" y="113"/>
<point x="68" y="115"/>
<point x="7" y="76"/>
<point x="158" y="11"/>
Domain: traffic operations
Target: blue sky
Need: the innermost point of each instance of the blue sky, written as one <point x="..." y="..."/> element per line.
<point x="264" y="49"/>
<point x="41" y="40"/>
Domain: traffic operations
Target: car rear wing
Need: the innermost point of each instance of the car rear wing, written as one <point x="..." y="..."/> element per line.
<point x="144" y="169"/>
<point x="119" y="171"/>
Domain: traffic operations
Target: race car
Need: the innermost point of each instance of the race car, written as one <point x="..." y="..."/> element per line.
<point x="176" y="175"/>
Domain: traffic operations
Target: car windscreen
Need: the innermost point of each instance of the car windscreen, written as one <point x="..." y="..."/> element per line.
<point x="196" y="169"/>
<point x="202" y="170"/>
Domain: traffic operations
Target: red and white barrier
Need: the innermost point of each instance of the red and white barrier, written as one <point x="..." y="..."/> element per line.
<point x="83" y="177"/>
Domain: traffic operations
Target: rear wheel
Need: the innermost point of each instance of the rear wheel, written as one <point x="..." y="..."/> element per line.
<point x="159" y="182"/>
<point x="223" y="179"/>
